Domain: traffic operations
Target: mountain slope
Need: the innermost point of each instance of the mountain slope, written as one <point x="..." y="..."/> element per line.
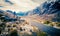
<point x="8" y="15"/>
<point x="52" y="8"/>
<point x="48" y="10"/>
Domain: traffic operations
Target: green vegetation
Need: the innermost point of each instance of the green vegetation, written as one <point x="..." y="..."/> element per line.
<point x="47" y="22"/>
<point x="13" y="33"/>
<point x="40" y="33"/>
<point x="58" y="25"/>
<point x="52" y="23"/>
<point x="14" y="25"/>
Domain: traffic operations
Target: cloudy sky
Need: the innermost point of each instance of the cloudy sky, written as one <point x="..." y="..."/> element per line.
<point x="20" y="5"/>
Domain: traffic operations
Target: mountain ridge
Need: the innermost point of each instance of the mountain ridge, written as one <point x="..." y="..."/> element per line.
<point x="48" y="9"/>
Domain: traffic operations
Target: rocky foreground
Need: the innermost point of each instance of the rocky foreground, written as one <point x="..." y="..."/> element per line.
<point x="20" y="28"/>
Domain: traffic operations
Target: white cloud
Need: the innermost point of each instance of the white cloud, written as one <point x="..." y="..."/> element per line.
<point x="20" y="5"/>
<point x="39" y="1"/>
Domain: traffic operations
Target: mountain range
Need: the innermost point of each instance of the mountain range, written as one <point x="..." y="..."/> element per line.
<point x="8" y="15"/>
<point x="48" y="10"/>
